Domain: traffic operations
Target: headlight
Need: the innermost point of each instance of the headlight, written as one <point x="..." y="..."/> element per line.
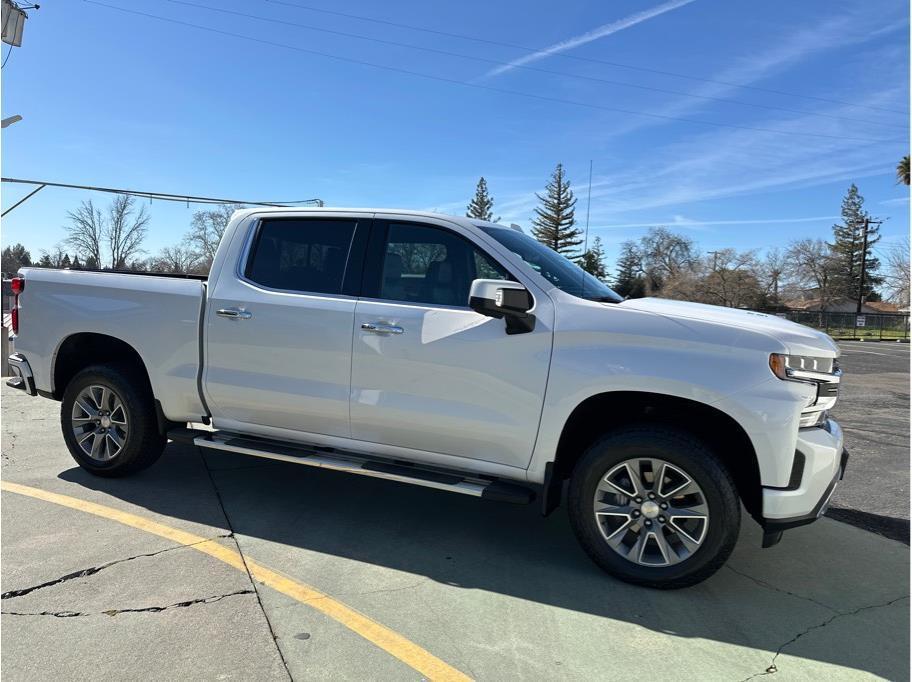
<point x="822" y="373"/>
<point x="803" y="368"/>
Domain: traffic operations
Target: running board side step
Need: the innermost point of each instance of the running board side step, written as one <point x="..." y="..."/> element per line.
<point x="452" y="481"/>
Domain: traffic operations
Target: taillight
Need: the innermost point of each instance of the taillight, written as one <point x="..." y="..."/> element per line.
<point x="18" y="286"/>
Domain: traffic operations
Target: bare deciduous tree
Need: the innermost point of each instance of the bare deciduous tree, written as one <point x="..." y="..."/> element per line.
<point x="175" y="260"/>
<point x="126" y="230"/>
<point x="726" y="277"/>
<point x="58" y="258"/>
<point x="897" y="273"/>
<point x="86" y="231"/>
<point x="665" y="255"/>
<point x="206" y="230"/>
<point x="731" y="279"/>
<point x="772" y="273"/>
<point x="811" y="265"/>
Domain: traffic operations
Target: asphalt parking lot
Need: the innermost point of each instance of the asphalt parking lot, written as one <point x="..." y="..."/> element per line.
<point x="217" y="566"/>
<point x="873" y="410"/>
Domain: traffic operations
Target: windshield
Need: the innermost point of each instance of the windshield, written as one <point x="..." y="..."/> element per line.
<point x="561" y="272"/>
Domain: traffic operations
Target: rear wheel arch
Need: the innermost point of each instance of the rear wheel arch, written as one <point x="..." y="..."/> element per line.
<point x="84" y="349"/>
<point x="604" y="412"/>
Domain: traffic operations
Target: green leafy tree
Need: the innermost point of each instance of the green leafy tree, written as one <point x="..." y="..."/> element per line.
<point x="15" y="257"/>
<point x="902" y="170"/>
<point x="848" y="248"/>
<point x="482" y="204"/>
<point x="593" y="260"/>
<point x="629" y="280"/>
<point x="554" y="220"/>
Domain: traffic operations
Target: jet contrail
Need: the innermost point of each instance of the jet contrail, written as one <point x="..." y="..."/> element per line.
<point x="588" y="37"/>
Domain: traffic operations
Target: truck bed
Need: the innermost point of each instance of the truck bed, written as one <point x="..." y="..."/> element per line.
<point x="157" y="315"/>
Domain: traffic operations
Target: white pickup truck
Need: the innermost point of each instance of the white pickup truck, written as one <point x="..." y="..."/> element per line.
<point x="455" y="354"/>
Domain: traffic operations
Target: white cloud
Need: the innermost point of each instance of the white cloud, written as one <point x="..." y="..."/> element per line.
<point x="682" y="222"/>
<point x="829" y="34"/>
<point x="590" y="36"/>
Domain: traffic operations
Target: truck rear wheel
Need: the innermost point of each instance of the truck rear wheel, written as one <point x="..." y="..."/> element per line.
<point x="108" y="421"/>
<point x="653" y="506"/>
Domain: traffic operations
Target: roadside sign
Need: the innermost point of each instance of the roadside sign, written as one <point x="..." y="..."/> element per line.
<point x="860" y="321"/>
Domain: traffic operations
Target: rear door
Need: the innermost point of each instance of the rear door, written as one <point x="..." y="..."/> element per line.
<point x="279" y="326"/>
<point x="430" y="374"/>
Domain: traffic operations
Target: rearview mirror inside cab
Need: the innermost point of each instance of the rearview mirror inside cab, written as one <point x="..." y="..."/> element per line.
<point x="501" y="299"/>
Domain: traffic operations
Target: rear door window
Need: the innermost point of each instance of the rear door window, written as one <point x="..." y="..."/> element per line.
<point x="303" y="255"/>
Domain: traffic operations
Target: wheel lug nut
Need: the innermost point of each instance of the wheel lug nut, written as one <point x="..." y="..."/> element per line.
<point x="663" y="506"/>
<point x="639" y="500"/>
<point x="648" y="523"/>
<point x="652" y="496"/>
<point x="661" y="519"/>
<point x="636" y="513"/>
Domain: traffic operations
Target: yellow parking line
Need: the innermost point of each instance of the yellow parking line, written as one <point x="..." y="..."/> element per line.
<point x="392" y="642"/>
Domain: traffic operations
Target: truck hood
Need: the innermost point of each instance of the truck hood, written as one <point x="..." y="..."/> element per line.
<point x="797" y="338"/>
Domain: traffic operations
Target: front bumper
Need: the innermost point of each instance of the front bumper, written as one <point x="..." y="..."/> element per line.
<point x="805" y="499"/>
<point x="22" y="374"/>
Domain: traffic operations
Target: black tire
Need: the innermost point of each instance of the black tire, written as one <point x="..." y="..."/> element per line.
<point x="688" y="454"/>
<point x="143" y="444"/>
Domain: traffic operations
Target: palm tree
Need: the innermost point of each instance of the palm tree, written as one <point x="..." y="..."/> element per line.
<point x="902" y="170"/>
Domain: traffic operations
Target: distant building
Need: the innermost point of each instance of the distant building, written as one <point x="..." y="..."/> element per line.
<point x="844" y="305"/>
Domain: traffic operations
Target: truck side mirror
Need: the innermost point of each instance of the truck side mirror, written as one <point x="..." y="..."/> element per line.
<point x="501" y="299"/>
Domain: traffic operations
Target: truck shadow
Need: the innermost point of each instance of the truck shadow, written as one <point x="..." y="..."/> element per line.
<point x="762" y="600"/>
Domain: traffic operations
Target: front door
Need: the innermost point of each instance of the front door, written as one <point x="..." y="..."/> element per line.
<point x="279" y="328"/>
<point x="429" y="373"/>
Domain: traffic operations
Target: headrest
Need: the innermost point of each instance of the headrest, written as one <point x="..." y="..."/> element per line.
<point x="392" y="266"/>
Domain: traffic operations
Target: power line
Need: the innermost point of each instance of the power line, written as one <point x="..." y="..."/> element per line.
<point x="159" y="196"/>
<point x="6" y="58"/>
<point x="478" y="86"/>
<point x="24" y="199"/>
<point x="620" y="65"/>
<point x="564" y="74"/>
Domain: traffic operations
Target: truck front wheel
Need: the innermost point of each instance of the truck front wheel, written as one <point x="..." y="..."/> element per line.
<point x="108" y="421"/>
<point x="653" y="506"/>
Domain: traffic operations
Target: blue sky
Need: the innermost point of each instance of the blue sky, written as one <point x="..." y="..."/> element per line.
<point x="116" y="99"/>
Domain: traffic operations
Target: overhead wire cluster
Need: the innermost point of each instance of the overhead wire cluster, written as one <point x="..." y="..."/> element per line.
<point x="518" y="93"/>
<point x="143" y="194"/>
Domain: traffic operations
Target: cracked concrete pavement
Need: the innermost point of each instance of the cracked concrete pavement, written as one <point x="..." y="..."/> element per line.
<point x="493" y="590"/>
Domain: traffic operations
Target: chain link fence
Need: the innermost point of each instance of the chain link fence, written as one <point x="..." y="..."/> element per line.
<point x="845" y="326"/>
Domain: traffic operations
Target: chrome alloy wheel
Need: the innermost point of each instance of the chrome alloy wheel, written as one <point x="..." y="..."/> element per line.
<point x="651" y="512"/>
<point x="99" y="422"/>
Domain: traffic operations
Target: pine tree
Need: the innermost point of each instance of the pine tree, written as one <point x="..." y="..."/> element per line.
<point x="482" y="204"/>
<point x="629" y="280"/>
<point x="593" y="260"/>
<point x="848" y="248"/>
<point x="76" y="264"/>
<point x="91" y="263"/>
<point x="65" y="262"/>
<point x="15" y="257"/>
<point x="554" y="219"/>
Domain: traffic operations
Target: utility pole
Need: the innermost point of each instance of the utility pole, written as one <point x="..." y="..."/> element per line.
<point x="864" y="257"/>
<point x="715" y="255"/>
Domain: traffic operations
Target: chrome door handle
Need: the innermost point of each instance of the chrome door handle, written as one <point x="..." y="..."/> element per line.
<point x="234" y="313"/>
<point x="381" y="328"/>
